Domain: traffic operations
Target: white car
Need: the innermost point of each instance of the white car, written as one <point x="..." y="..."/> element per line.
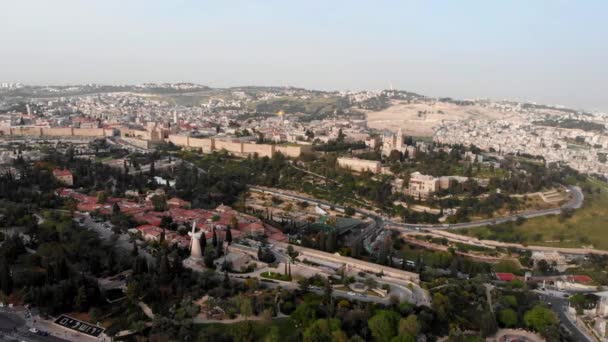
<point x="34" y="330"/>
<point x="351" y="294"/>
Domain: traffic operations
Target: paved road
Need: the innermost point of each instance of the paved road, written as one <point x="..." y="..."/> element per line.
<point x="575" y="202"/>
<point x="13" y="327"/>
<point x="559" y="305"/>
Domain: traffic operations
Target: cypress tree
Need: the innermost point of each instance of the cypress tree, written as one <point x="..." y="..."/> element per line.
<point x="135" y="251"/>
<point x="164" y="273"/>
<point x="228" y="235"/>
<point x="6" y="280"/>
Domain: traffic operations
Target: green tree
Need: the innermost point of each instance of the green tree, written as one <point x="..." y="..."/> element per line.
<point x="134" y="250"/>
<point x="101" y="197"/>
<point x="164" y="273"/>
<point x="324" y="330"/>
<point x="80" y="301"/>
<point x="487" y="323"/>
<point x="245" y="306"/>
<point x="409" y="325"/>
<point x="383" y="325"/>
<point x="404" y="338"/>
<point x="303" y="316"/>
<point x="507" y="318"/>
<point x="540" y="318"/>
<point x="6" y="279"/>
<point x="209" y="257"/>
<point x="159" y="202"/>
<point x="228" y="235"/>
<point x="273" y="335"/>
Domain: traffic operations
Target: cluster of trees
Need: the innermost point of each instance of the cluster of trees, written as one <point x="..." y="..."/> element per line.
<point x="222" y="182"/>
<point x="572" y="124"/>
<point x="339" y="145"/>
<point x="322" y="239"/>
<point x="59" y="276"/>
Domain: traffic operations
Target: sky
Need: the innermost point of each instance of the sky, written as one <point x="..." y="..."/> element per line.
<point x="547" y="51"/>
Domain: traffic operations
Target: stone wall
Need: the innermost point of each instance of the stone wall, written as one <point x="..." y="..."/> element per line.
<point x="206" y="145"/>
<point x="360" y="165"/>
<point x="179" y="140"/>
<point x="89" y="132"/>
<point x="263" y="150"/>
<point x="27" y="131"/>
<point x="292" y="151"/>
<point x="229" y="146"/>
<point x="237" y="148"/>
<point x="56" y="132"/>
<point x="134" y="133"/>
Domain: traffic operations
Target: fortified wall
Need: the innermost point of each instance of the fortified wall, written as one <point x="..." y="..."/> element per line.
<point x="205" y="145"/>
<point x="56" y="132"/>
<point x="360" y="165"/>
<point x="237" y="148"/>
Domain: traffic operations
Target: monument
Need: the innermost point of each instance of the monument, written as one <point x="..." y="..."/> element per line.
<point x="195" y="261"/>
<point x="195" y="244"/>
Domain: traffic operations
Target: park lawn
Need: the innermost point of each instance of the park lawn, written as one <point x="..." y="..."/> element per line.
<point x="587" y="226"/>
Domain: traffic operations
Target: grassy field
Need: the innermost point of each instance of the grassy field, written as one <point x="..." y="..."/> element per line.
<point x="587" y="226"/>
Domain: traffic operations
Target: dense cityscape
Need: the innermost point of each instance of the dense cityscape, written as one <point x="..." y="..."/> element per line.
<point x="183" y="212"/>
<point x="314" y="171"/>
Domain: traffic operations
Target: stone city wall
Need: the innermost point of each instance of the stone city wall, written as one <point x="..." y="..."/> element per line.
<point x="179" y="140"/>
<point x="292" y="151"/>
<point x="205" y="145"/>
<point x="263" y="150"/>
<point x="237" y="148"/>
<point x="229" y="146"/>
<point x="360" y="165"/>
<point x="56" y="132"/>
<point x="134" y="133"/>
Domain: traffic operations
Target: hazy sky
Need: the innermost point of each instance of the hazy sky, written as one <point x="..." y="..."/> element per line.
<point x="553" y="51"/>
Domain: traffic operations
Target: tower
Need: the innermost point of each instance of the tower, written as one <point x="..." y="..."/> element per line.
<point x="399" y="140"/>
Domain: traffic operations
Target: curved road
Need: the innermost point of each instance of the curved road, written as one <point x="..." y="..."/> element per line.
<point x="574" y="203"/>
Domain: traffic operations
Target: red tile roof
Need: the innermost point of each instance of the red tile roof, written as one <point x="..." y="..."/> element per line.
<point x="61" y="172"/>
<point x="178" y="202"/>
<point x="506" y="276"/>
<point x="580" y="278"/>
